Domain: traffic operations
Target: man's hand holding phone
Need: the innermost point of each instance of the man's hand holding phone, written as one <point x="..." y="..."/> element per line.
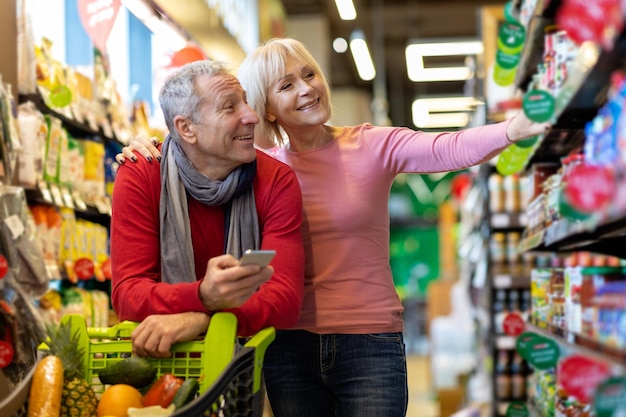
<point x="225" y="286"/>
<point x="261" y="258"/>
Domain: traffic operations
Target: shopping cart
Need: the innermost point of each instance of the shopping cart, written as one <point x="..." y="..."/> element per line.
<point x="230" y="375"/>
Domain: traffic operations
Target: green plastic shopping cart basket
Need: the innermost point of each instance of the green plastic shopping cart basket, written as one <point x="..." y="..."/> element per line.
<point x="230" y="376"/>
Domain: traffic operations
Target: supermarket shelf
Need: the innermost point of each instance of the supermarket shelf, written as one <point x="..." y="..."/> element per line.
<point x="506" y="220"/>
<point x="586" y="346"/>
<point x="591" y="235"/>
<point x="543" y="16"/>
<point x="581" y="95"/>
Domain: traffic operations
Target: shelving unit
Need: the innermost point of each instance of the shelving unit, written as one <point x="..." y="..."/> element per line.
<point x="584" y="92"/>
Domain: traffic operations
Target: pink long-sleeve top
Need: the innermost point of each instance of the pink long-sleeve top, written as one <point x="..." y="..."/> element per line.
<point x="345" y="191"/>
<point x="137" y="290"/>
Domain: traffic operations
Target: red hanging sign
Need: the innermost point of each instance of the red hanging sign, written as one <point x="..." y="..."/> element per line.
<point x="580" y="376"/>
<point x="589" y="188"/>
<point x="97" y="17"/>
<point x="513" y="324"/>
<point x="4" y="266"/>
<point x="84" y="268"/>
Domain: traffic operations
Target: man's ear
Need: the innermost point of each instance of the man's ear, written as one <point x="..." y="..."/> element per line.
<point x="185" y="129"/>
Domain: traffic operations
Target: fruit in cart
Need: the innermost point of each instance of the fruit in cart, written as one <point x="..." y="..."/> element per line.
<point x="117" y="399"/>
<point x="135" y="371"/>
<point x="46" y="388"/>
<point x="152" y="411"/>
<point x="78" y="397"/>
<point x="162" y="392"/>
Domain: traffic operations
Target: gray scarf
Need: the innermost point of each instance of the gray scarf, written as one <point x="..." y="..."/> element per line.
<point x="179" y="177"/>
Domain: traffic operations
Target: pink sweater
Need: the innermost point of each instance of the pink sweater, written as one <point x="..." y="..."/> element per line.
<point x="345" y="191"/>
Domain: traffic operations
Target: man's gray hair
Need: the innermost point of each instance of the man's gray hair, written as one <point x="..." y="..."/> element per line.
<point x="180" y="96"/>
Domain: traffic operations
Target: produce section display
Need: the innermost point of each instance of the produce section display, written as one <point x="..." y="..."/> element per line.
<point x="85" y="371"/>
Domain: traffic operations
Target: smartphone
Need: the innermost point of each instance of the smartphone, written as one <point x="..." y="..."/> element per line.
<point x="257" y="257"/>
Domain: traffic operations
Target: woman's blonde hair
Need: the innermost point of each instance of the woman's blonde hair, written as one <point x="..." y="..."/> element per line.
<point x="261" y="70"/>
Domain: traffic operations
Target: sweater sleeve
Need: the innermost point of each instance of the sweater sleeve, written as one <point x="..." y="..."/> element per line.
<point x="137" y="290"/>
<point x="278" y="301"/>
<point x="411" y="151"/>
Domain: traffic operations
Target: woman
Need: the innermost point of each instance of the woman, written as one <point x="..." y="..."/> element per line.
<point x="346" y="355"/>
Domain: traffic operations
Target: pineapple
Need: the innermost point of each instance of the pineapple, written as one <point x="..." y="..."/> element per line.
<point x="78" y="398"/>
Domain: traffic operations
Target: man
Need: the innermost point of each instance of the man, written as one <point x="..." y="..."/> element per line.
<point x="212" y="194"/>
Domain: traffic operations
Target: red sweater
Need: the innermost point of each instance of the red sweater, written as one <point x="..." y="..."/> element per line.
<point x="137" y="290"/>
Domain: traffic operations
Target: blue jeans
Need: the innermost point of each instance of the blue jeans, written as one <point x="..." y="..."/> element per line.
<point x="336" y="375"/>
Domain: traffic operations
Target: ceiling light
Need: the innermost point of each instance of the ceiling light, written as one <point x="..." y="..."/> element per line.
<point x="361" y="55"/>
<point x="416" y="52"/>
<point x="340" y="45"/>
<point x="346" y="9"/>
<point x="447" y="104"/>
<point x="440" y="120"/>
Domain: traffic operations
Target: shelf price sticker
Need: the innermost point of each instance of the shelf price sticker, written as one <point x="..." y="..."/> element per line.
<point x="513" y="324"/>
<point x="580" y="376"/>
<point x="517" y="409"/>
<point x="538" y="105"/>
<point x="542" y="353"/>
<point x="610" y="398"/>
<point x="523" y="341"/>
<point x="511" y="37"/>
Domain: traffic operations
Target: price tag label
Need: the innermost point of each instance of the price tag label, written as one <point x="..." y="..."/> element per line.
<point x="57" y="198"/>
<point x="78" y="201"/>
<point x="15" y="225"/>
<point x="45" y="192"/>
<point x="67" y="197"/>
<point x="500" y="220"/>
<point x="103" y="206"/>
<point x="107" y="129"/>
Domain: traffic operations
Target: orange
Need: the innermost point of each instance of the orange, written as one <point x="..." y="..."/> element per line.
<point x="117" y="399"/>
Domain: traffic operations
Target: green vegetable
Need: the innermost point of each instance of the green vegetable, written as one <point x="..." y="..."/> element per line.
<point x="135" y="371"/>
<point x="186" y="392"/>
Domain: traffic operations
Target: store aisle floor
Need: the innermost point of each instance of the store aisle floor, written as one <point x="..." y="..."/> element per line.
<point x="422" y="401"/>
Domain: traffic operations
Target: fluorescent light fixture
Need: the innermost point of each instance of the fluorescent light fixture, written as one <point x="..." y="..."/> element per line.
<point x="440" y="120"/>
<point x="362" y="57"/>
<point x="162" y="30"/>
<point x="415" y="54"/>
<point x="447" y="104"/>
<point x="346" y="9"/>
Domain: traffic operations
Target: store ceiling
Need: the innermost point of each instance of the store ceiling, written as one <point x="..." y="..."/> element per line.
<point x="396" y="22"/>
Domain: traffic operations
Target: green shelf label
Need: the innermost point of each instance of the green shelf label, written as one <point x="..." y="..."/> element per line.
<point x="610" y="398"/>
<point x="517" y="409"/>
<point x="538" y="105"/>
